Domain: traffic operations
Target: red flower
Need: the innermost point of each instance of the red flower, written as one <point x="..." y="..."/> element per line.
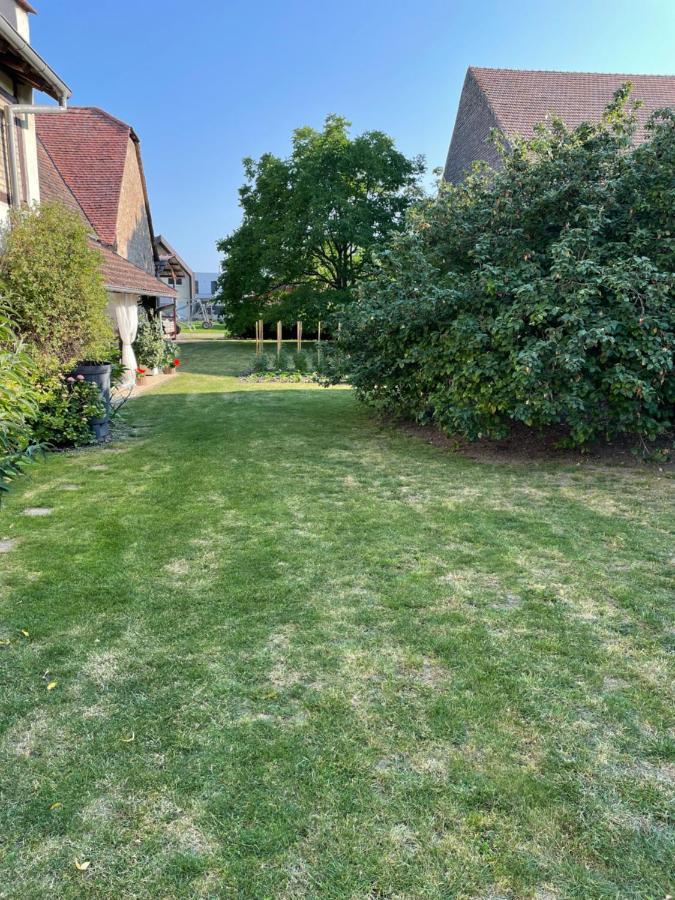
<point x="140" y="371"/>
<point x="176" y="362"/>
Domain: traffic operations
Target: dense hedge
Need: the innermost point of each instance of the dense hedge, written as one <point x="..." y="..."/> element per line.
<point x="542" y="294"/>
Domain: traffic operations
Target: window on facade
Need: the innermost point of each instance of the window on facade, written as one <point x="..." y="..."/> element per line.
<point x="179" y="280"/>
<point x="196" y="287"/>
<point x="214" y="285"/>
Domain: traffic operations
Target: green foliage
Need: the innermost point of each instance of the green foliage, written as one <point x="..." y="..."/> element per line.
<point x="66" y="405"/>
<point x="18" y="399"/>
<point x="171" y="352"/>
<point x="542" y="294"/>
<point x="310" y="223"/>
<point x="51" y="282"/>
<point x="150" y="345"/>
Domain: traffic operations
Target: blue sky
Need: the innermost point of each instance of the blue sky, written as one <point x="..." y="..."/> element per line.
<point x="209" y="82"/>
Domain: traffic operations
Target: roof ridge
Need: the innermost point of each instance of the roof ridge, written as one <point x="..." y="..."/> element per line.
<point x="566" y="72"/>
<point x="102" y="112"/>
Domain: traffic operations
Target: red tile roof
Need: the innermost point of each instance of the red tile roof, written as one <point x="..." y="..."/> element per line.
<point x="89" y="148"/>
<point x="53" y="188"/>
<point x="520" y="98"/>
<point x="121" y="275"/>
<point x="118" y="273"/>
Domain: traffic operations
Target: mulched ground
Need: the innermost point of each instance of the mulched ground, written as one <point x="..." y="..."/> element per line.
<point x="526" y="445"/>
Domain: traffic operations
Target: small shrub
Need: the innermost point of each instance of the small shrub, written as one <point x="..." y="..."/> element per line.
<point x="301" y="362"/>
<point x="260" y="364"/>
<point x="150" y="345"/>
<point x="66" y="405"/>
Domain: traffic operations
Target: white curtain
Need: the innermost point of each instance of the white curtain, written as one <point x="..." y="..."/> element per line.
<point x="124" y="309"/>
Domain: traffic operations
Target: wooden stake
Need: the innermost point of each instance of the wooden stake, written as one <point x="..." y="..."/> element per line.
<point x="299" y="336"/>
<point x="319" y="333"/>
<point x="279" y="337"/>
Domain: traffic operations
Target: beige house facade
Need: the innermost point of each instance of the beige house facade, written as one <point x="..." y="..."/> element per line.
<point x="22" y="71"/>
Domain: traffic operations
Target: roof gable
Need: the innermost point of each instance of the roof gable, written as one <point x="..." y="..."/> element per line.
<point x="89" y="148"/>
<point x="520" y="99"/>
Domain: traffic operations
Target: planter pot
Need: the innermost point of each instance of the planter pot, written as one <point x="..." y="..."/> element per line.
<point x="98" y="374"/>
<point x="169" y="370"/>
<point x="152" y="370"/>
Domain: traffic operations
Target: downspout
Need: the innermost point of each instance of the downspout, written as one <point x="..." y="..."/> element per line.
<point x="11" y="112"/>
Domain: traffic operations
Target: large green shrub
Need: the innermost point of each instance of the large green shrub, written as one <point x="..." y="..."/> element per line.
<point x="17" y="403"/>
<point x="50" y="279"/>
<point x="542" y="294"/>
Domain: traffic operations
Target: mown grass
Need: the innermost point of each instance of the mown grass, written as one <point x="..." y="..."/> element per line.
<point x="299" y="654"/>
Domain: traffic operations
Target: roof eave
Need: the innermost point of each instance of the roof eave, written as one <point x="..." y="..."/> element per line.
<point x="46" y="78"/>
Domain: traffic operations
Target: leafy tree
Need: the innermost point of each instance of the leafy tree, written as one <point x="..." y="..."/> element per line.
<point x="310" y="223"/>
<point x="541" y="294"/>
<point x="50" y="280"/>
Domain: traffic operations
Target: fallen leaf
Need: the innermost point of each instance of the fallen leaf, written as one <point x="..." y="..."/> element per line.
<point x="52" y="685"/>
<point x="82" y="866"/>
<point x="130" y="739"/>
<point x="56" y="805"/>
<point x="5" y="642"/>
<point x="25" y="633"/>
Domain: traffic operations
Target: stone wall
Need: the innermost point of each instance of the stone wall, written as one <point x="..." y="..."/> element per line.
<point x="471" y="135"/>
<point x="134" y="241"/>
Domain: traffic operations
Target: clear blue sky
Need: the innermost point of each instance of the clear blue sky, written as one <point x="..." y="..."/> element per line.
<point x="206" y="83"/>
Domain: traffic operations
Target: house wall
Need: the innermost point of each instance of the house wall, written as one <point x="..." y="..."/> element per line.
<point x="471" y="135"/>
<point x="134" y="241"/>
<point x="29" y="178"/>
<point x="17" y="17"/>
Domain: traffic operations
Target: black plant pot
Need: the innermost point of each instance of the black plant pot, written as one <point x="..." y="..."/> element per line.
<point x="98" y="374"/>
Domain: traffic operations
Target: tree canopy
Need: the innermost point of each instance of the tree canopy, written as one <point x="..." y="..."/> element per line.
<point x="311" y="222"/>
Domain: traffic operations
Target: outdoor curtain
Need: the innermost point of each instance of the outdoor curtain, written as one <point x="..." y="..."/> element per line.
<point x="125" y="316"/>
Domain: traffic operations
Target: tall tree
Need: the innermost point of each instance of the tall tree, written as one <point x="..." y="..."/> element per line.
<point x="311" y="222"/>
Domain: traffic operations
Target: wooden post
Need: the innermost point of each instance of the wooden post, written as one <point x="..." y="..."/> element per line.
<point x="318" y="330"/>
<point x="279" y="338"/>
<point x="299" y="336"/>
<point x="259" y="335"/>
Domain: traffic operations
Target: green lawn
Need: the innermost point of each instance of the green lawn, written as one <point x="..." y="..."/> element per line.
<point x="299" y="654"/>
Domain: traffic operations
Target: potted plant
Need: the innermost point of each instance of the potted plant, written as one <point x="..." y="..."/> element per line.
<point x="149" y="345"/>
<point x="140" y="374"/>
<point x="171" y="360"/>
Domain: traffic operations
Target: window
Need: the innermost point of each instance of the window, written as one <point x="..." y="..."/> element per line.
<point x="196" y="287"/>
<point x="214" y="287"/>
<point x="179" y="280"/>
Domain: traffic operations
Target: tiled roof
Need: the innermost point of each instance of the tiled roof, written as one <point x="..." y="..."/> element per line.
<point x="89" y="148"/>
<point x="118" y="273"/>
<point x="52" y="186"/>
<point x="520" y="99"/>
<point x="121" y="275"/>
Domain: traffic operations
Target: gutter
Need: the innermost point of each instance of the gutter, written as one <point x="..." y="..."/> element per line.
<point x="10" y="113"/>
<point x="60" y="90"/>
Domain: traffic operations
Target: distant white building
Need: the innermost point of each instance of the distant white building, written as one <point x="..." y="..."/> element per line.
<point x="206" y="285"/>
<point x="175" y="272"/>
